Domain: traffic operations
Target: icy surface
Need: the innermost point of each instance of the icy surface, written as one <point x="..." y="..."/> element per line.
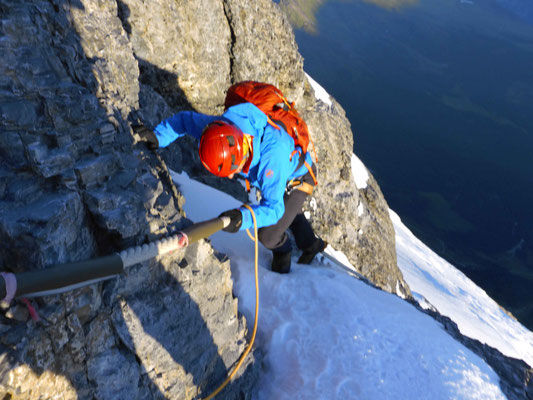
<point x="327" y="335"/>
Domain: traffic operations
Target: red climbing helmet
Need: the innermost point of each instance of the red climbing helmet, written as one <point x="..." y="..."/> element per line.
<point x="221" y="148"/>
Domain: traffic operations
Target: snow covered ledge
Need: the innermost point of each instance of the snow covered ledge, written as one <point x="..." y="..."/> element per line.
<point x="320" y="92"/>
<point x="359" y="172"/>
<point x="438" y="285"/>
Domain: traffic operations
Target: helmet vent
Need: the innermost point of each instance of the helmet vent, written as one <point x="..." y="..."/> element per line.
<point x="231" y="140"/>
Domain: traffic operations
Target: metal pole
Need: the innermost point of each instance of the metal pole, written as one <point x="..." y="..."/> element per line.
<point x="70" y="276"/>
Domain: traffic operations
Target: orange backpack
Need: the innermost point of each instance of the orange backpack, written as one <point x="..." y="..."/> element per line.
<point x="271" y="101"/>
<point x="278" y="109"/>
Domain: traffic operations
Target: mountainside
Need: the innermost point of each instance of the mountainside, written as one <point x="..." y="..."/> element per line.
<point x="328" y="335"/>
<point x="75" y="184"/>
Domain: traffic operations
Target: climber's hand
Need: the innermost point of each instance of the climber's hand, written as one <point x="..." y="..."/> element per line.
<point x="147" y="135"/>
<point x="235" y="220"/>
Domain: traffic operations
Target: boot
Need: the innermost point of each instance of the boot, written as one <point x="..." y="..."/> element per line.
<point x="309" y="253"/>
<point x="281" y="262"/>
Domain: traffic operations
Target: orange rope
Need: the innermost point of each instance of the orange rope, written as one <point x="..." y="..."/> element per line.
<point x="243" y="356"/>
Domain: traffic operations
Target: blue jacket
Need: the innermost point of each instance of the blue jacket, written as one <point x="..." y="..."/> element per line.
<point x="271" y="167"/>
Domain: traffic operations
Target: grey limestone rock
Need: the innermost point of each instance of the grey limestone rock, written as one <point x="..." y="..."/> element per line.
<point x="74" y="184"/>
<point x="263" y="46"/>
<point x="182" y="49"/>
<point x="116" y="375"/>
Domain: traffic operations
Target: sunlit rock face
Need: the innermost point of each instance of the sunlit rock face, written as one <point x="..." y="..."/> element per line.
<point x="75" y="184"/>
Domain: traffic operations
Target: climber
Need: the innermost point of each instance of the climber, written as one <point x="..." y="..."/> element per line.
<point x="262" y="155"/>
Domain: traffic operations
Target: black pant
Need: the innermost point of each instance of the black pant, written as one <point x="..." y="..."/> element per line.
<point x="274" y="237"/>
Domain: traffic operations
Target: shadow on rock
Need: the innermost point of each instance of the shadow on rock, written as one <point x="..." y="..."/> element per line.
<point x="73" y="186"/>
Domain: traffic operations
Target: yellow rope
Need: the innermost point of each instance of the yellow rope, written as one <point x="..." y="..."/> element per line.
<point x="243" y="356"/>
<point x="250" y="235"/>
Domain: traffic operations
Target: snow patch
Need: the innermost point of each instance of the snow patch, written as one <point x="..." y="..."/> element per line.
<point x="313" y="204"/>
<point x="359" y="172"/>
<point x="360" y="209"/>
<point x="340" y="257"/>
<point x="320" y="92"/>
<point x="436" y="282"/>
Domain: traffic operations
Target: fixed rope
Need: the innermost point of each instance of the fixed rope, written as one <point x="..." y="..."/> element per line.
<point x="245" y="353"/>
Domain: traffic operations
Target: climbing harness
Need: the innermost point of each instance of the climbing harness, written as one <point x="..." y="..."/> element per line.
<point x="297" y="184"/>
<point x="302" y="161"/>
<point x="252" y="340"/>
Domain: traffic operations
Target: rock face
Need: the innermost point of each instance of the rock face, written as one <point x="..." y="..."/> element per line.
<point x="352" y="219"/>
<point x="74" y="184"/>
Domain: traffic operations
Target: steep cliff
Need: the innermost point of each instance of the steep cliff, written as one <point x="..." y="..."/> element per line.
<point x="74" y="184"/>
<point x="258" y="44"/>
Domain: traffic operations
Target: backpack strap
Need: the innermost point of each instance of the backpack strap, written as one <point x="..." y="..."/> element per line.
<point x="311" y="173"/>
<point x="276" y="123"/>
<point x="271" y="122"/>
<point x="303" y="162"/>
<point x="290" y="108"/>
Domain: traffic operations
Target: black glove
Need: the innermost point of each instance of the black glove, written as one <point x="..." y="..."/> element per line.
<point x="147" y="135"/>
<point x="236" y="220"/>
